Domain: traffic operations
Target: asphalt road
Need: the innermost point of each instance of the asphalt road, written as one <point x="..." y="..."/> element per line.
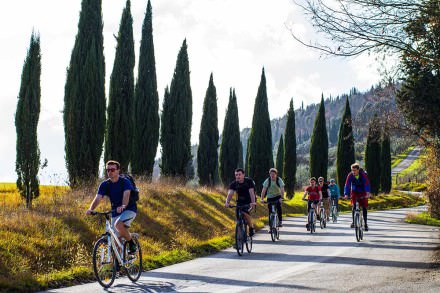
<point x="405" y="163"/>
<point x="393" y="257"/>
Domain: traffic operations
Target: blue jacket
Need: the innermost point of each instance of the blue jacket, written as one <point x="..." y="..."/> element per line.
<point x="334" y="190"/>
<point x="360" y="185"/>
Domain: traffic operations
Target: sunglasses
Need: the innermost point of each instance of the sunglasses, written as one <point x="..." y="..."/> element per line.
<point x="111" y="169"/>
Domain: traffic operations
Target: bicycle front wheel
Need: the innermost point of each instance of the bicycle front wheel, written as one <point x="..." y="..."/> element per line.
<point x="104" y="263"/>
<point x="133" y="261"/>
<point x="239" y="240"/>
<point x="322" y="219"/>
<point x="357" y="227"/>
<point x="334" y="214"/>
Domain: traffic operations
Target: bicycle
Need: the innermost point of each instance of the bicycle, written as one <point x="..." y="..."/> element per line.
<point x="273" y="222"/>
<point x="110" y="253"/>
<point x="242" y="236"/>
<point x="358" y="221"/>
<point x="334" y="210"/>
<point x="311" y="219"/>
<point x="322" y="216"/>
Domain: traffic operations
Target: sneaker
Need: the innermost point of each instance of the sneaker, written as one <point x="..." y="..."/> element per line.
<point x="366" y="227"/>
<point x="132" y="248"/>
<point x="308" y="227"/>
<point x="251" y="232"/>
<point x="352" y="225"/>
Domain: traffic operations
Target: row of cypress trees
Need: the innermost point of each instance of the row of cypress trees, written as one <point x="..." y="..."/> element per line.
<point x="132" y="126"/>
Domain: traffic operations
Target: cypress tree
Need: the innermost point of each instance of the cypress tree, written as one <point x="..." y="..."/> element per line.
<point x="260" y="157"/>
<point x="231" y="148"/>
<point x="319" y="145"/>
<point x="118" y="143"/>
<point x="26" y="123"/>
<point x="280" y="157"/>
<point x="176" y="142"/>
<point x="84" y="97"/>
<point x="345" y="155"/>
<point x="385" y="159"/>
<point x="166" y="132"/>
<point x="146" y="104"/>
<point x="289" y="168"/>
<point x="207" y="156"/>
<point x="372" y="155"/>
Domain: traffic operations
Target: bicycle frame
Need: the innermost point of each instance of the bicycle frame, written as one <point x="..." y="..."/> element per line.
<point x="115" y="244"/>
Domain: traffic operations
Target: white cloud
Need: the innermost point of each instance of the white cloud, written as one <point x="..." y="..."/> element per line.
<point x="232" y="39"/>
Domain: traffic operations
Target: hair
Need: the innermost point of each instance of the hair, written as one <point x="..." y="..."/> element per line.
<point x="355" y="165"/>
<point x="239" y="170"/>
<point x="273" y="170"/>
<point x="332" y="180"/>
<point x="312" y="179"/>
<point x="321" y="178"/>
<point x="112" y="162"/>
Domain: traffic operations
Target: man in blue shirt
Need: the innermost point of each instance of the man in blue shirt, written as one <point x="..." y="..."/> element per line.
<point x="118" y="190"/>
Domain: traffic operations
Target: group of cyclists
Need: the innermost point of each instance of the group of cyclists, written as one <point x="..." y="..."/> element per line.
<point x="118" y="190"/>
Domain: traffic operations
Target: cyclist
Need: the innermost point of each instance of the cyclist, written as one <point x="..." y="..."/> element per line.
<point x="118" y="190"/>
<point x="274" y="188"/>
<point x="314" y="196"/>
<point x="334" y="193"/>
<point x="357" y="185"/>
<point x="325" y="196"/>
<point x="244" y="187"/>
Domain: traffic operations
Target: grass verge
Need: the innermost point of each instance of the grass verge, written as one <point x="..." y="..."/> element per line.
<point x="422" y="219"/>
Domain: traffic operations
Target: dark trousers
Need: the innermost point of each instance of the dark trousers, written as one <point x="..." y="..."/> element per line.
<point x="275" y="201"/>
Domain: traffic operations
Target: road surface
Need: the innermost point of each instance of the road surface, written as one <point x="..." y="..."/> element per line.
<point x="405" y="163"/>
<point x="393" y="257"/>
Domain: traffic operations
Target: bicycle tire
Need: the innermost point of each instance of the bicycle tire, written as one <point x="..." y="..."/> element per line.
<point x="322" y="219"/>
<point x="334" y="215"/>
<point x="357" y="227"/>
<point x="239" y="242"/>
<point x="105" y="272"/>
<point x="361" y="232"/>
<point x="249" y="244"/>
<point x="133" y="262"/>
<point x="272" y="228"/>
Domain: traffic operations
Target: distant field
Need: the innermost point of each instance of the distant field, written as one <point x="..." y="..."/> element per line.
<point x="50" y="245"/>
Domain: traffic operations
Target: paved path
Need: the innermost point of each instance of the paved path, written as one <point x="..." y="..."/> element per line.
<point x="405" y="163"/>
<point x="394" y="257"/>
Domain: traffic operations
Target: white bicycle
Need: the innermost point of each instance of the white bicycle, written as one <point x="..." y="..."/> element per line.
<point x="110" y="254"/>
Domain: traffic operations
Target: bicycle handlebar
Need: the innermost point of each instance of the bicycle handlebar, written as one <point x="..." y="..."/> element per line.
<point x="94" y="213"/>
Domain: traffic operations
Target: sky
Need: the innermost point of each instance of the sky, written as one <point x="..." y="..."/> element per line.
<point x="233" y="39"/>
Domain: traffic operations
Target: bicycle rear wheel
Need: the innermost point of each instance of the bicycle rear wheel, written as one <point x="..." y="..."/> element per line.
<point x="239" y="240"/>
<point x="248" y="243"/>
<point x="273" y="232"/>
<point x="357" y="227"/>
<point x="133" y="262"/>
<point x="334" y="214"/>
<point x="104" y="265"/>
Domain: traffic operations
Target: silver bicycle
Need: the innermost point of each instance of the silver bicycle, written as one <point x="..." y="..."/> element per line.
<point x="358" y="221"/>
<point x="273" y="221"/>
<point x="110" y="254"/>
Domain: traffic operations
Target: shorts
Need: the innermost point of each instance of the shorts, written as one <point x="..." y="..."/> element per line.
<point x="309" y="204"/>
<point x="362" y="202"/>
<point x="126" y="217"/>
<point x="244" y="209"/>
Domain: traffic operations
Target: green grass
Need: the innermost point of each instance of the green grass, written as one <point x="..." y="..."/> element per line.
<point x="422" y="219"/>
<point x="50" y="246"/>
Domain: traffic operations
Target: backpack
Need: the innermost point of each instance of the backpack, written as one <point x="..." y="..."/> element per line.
<point x="270" y="182"/>
<point x="134" y="194"/>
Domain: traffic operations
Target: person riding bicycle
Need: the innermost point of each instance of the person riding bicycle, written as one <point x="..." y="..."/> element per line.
<point x="118" y="190"/>
<point x="274" y="188"/>
<point x="314" y="194"/>
<point x="335" y="193"/>
<point x="244" y="187"/>
<point x="325" y="196"/>
<point x="357" y="186"/>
